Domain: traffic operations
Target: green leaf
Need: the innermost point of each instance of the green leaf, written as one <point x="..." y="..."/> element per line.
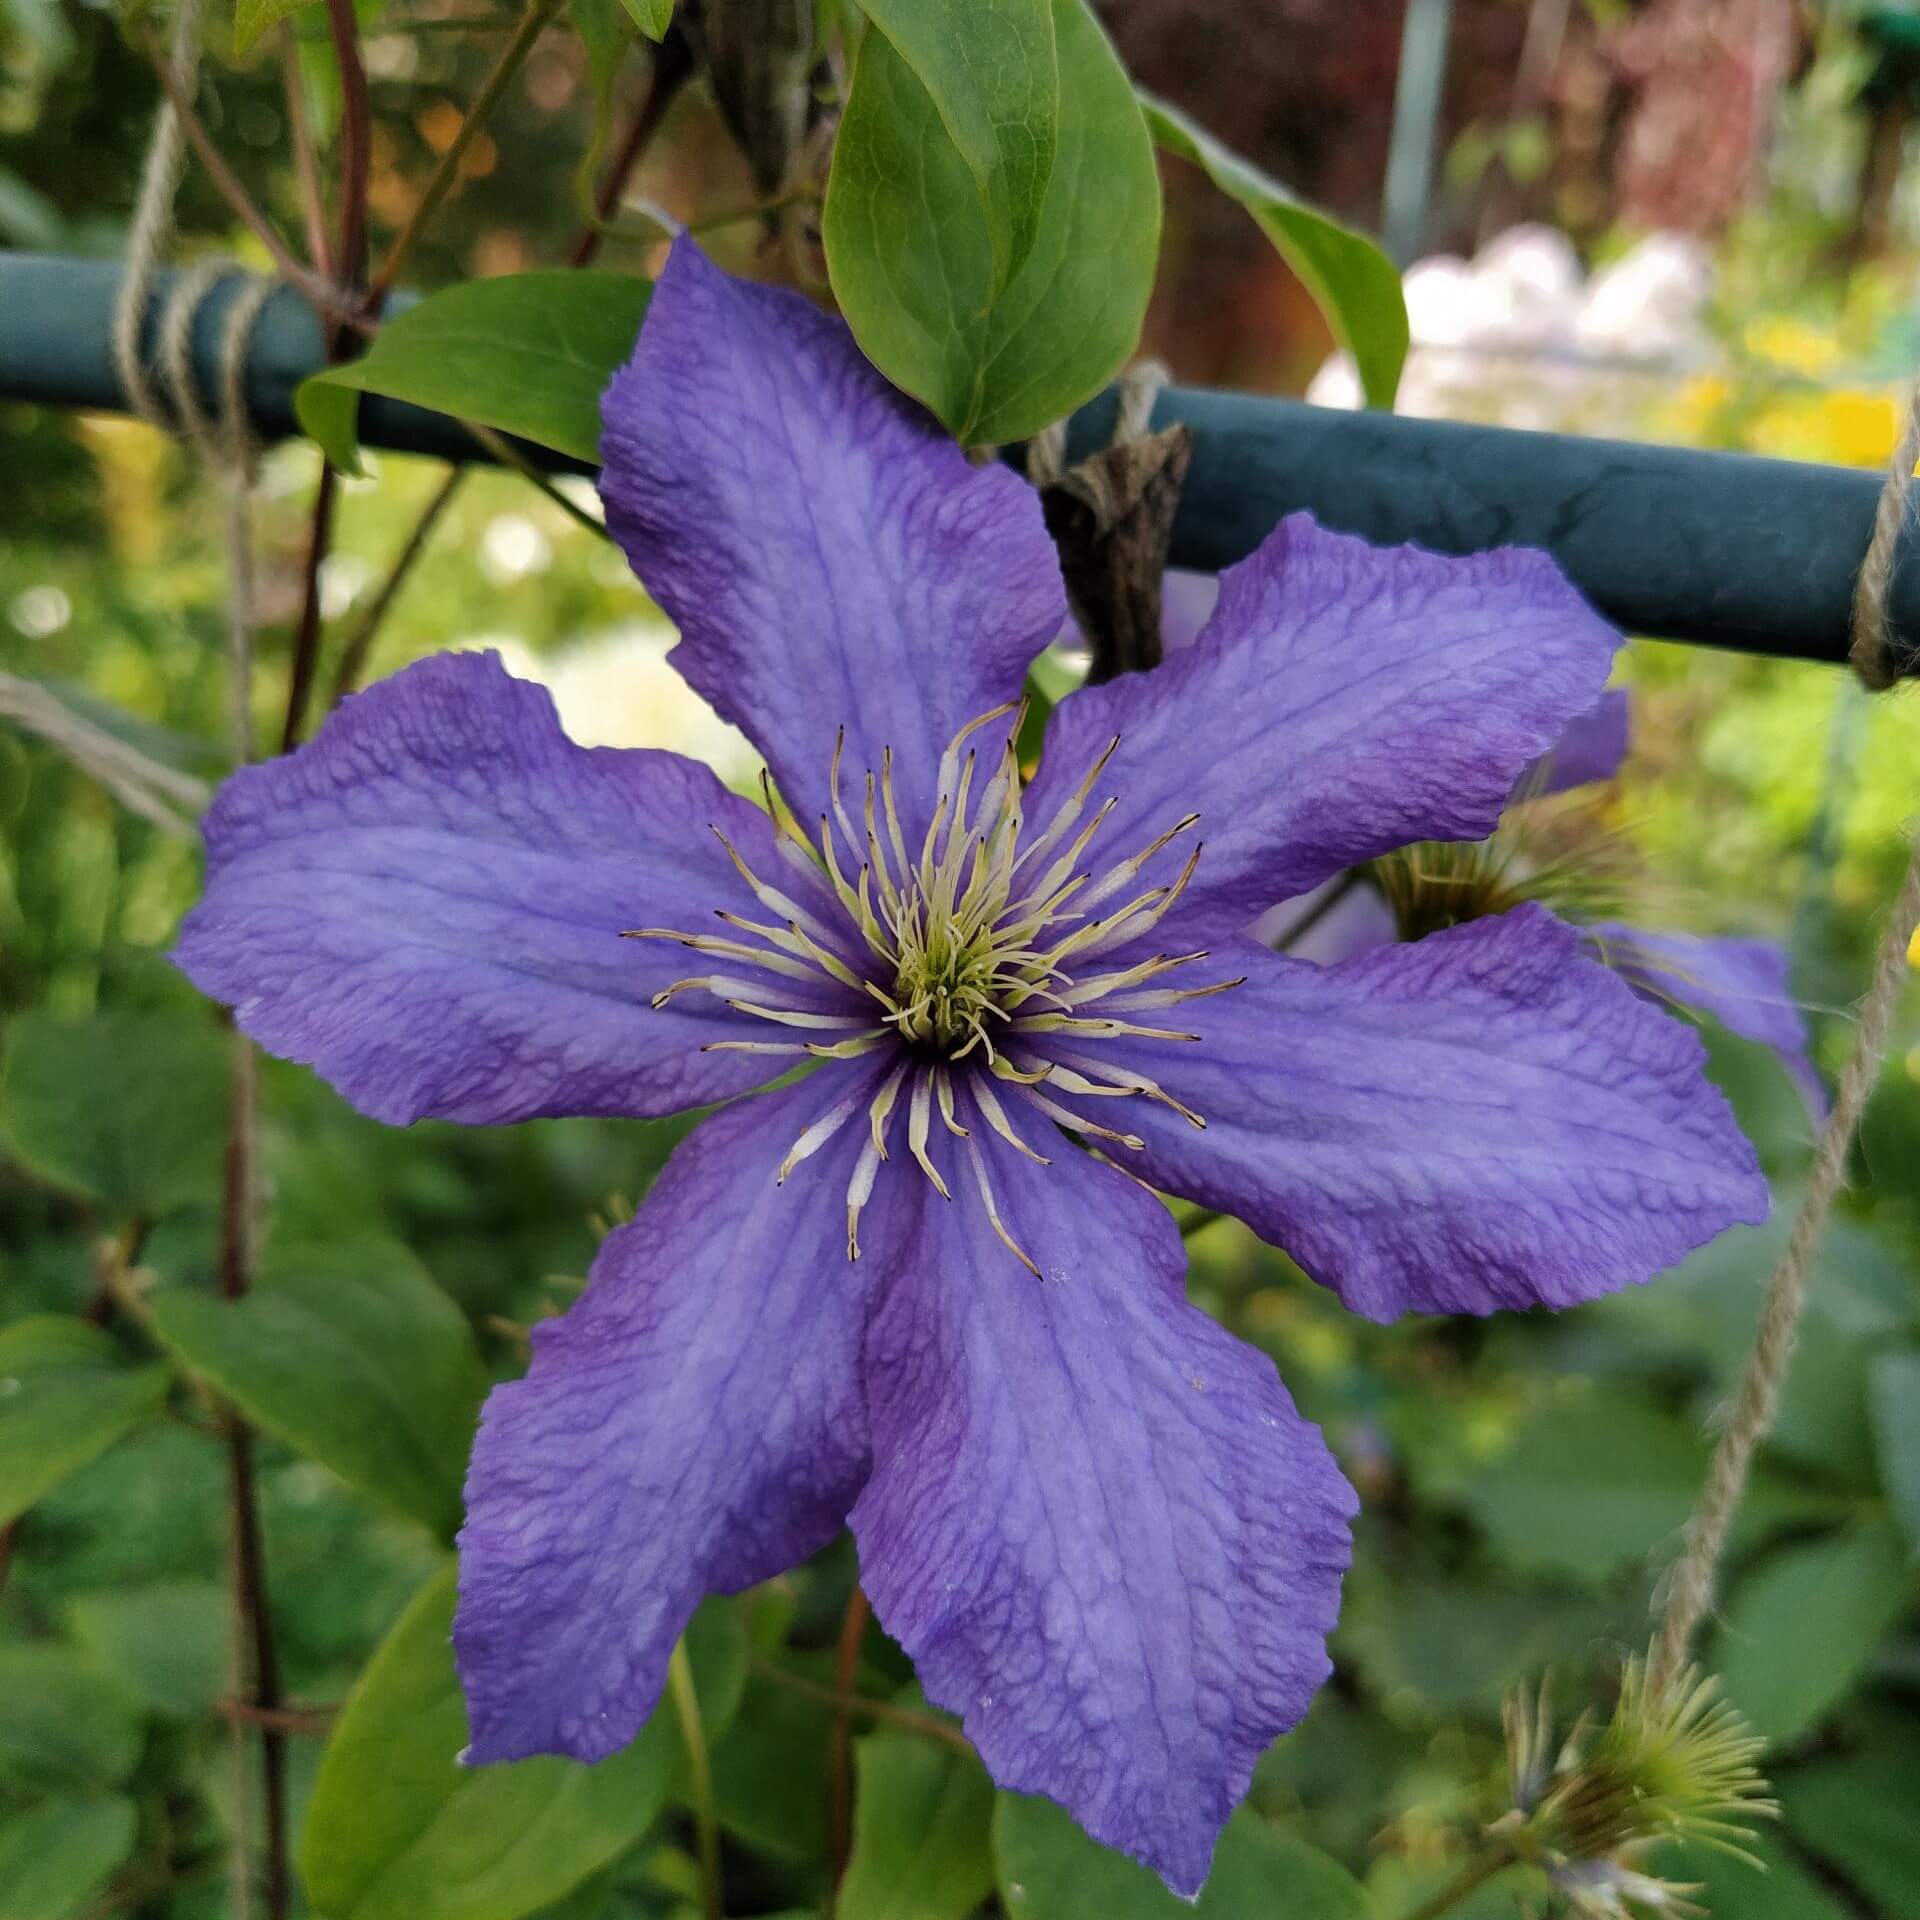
<point x="1454" y="1644"/>
<point x="251" y="18"/>
<point x="1050" y="1870"/>
<point x="911" y="255"/>
<point x="64" y="1724"/>
<point x="1894" y="1397"/>
<point x="1802" y="1627"/>
<point x="652" y="17"/>
<point x="398" y="1830"/>
<point x="768" y="1773"/>
<point x="1778" y="1888"/>
<point x="1857" y="1812"/>
<point x="992" y="74"/>
<point x="66" y="1395"/>
<point x="1594" y="1485"/>
<point x="528" y="353"/>
<point x="55" y="1859"/>
<point x="128" y="1108"/>
<point x="1352" y="282"/>
<point x="1710" y="1304"/>
<point x="352" y="1356"/>
<point x="169" y="1641"/>
<point x="921" y="1842"/>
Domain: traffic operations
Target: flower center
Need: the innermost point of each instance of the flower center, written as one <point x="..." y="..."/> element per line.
<point x="979" y="952"/>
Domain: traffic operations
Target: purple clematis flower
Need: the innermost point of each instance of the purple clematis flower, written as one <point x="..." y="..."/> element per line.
<point x="925" y="1290"/>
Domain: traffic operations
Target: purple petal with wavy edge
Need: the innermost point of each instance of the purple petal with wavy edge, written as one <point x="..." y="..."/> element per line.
<point x="1342" y="701"/>
<point x="828" y="554"/>
<point x="426" y="902"/>
<point x="1095" y="1520"/>
<point x="1482" y="1119"/>
<point x="1744" y="985"/>
<point x="694" y="1425"/>
<point x="1591" y="749"/>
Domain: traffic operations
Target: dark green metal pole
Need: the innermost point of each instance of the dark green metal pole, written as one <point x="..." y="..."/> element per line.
<point x="1721" y="549"/>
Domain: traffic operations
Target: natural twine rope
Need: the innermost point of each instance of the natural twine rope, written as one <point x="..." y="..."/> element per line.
<point x="173" y="402"/>
<point x="153" y="216"/>
<point x="1880" y="660"/>
<point x="225" y="445"/>
<point x="1879" y="656"/>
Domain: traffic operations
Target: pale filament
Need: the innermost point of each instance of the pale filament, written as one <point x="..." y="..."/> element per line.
<point x="970" y="949"/>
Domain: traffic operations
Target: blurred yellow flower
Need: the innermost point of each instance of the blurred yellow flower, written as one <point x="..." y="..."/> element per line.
<point x="1792" y="344"/>
<point x="1844" y="425"/>
<point x="1692" y="415"/>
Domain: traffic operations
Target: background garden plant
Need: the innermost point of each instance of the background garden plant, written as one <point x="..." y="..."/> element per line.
<point x="1522" y="1480"/>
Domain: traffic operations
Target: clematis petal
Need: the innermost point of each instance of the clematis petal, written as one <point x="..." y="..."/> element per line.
<point x="1343" y="700"/>
<point x="1481" y="1119"/>
<point x="1591" y="749"/>
<point x="694" y="1425"/>
<point x="426" y="904"/>
<point x="1095" y="1520"/>
<point x="1742" y="984"/>
<point x="828" y="554"/>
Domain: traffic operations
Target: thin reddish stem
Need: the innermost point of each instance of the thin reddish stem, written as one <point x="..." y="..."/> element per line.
<point x="846" y="1668"/>
<point x="672" y="66"/>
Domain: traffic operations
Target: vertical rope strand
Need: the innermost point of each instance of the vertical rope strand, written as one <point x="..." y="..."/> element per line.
<point x="1690" y="1591"/>
<point x="153" y="216"/>
<point x="1879" y="657"/>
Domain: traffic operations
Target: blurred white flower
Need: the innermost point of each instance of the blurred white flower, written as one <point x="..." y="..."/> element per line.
<point x="1519" y="337"/>
<point x="513" y="547"/>
<point x="343" y="577"/>
<point x="40" y="612"/>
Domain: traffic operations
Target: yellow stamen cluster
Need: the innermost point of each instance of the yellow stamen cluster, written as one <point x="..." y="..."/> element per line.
<point x="978" y="953"/>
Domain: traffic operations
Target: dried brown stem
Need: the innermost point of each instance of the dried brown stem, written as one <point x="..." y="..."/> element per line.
<point x="926" y="1725"/>
<point x="533" y="22"/>
<point x="356" y="141"/>
<point x="257" y="1663"/>
<point x="306" y="1722"/>
<point x="356" y="161"/>
<point x="306" y="158"/>
<point x="353" y="657"/>
<point x="672" y="66"/>
<point x="306" y="639"/>
<point x="846" y="1666"/>
<point x="228" y="185"/>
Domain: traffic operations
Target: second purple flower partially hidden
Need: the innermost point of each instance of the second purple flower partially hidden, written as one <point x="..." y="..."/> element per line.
<point x="927" y="1290"/>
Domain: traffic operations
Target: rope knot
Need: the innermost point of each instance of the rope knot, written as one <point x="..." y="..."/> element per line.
<point x="1881" y="655"/>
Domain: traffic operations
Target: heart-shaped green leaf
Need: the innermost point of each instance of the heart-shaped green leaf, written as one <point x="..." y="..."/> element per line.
<point x="921" y="1842"/>
<point x="911" y="246"/>
<point x="352" y="1356"/>
<point x="993" y="75"/>
<point x="399" y="1830"/>
<point x="528" y="353"/>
